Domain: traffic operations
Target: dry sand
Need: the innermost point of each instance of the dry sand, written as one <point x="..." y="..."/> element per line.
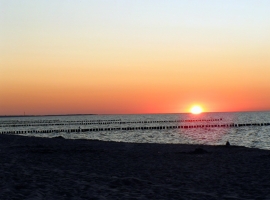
<point x="43" y="168"/>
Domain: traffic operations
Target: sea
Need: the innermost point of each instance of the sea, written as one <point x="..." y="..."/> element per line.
<point x="249" y="129"/>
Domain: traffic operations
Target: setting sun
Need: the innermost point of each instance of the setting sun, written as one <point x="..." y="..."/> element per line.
<point x="196" y="109"/>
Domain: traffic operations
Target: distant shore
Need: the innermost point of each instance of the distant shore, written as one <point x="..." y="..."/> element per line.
<point x="57" y="168"/>
<point x="2" y="116"/>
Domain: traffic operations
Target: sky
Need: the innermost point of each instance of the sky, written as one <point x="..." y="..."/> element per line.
<point x="131" y="57"/>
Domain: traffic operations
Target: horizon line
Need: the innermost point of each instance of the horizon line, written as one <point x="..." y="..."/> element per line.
<point x="48" y="115"/>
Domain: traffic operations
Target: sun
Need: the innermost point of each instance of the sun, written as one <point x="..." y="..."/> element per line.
<point x="196" y="110"/>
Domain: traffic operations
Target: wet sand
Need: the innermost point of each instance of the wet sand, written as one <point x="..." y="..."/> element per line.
<point x="43" y="168"/>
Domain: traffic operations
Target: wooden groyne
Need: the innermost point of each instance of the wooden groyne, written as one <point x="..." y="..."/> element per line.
<point x="55" y="123"/>
<point x="79" y="130"/>
<point x="100" y="122"/>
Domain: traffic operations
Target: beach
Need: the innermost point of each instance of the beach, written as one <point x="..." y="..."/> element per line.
<point x="58" y="168"/>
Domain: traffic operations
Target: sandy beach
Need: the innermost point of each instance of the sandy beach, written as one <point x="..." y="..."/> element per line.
<point x="43" y="168"/>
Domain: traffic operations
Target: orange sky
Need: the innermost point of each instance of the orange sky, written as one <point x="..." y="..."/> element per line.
<point x="139" y="58"/>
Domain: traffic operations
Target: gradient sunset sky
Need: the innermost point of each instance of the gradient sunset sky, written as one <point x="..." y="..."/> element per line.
<point x="134" y="56"/>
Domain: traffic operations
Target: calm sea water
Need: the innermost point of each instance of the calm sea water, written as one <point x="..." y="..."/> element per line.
<point x="249" y="136"/>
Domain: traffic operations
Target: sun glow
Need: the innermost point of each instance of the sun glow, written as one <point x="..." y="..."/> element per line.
<point x="196" y="110"/>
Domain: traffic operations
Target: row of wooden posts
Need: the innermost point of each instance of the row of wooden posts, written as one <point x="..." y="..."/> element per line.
<point x="109" y="122"/>
<point x="17" y="122"/>
<point x="134" y="128"/>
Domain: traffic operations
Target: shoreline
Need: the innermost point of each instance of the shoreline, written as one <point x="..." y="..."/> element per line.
<point x="55" y="168"/>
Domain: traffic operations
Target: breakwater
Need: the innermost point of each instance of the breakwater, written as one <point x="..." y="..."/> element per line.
<point x="132" y="128"/>
<point x="95" y="122"/>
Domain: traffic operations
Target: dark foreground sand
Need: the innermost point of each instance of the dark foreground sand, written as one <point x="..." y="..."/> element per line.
<point x="39" y="168"/>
